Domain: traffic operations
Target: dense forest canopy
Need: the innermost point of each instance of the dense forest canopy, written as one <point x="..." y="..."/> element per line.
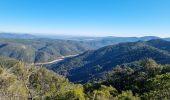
<point x="143" y="79"/>
<point x="93" y="65"/>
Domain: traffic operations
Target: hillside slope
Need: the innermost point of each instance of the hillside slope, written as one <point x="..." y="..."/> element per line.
<point x="39" y="50"/>
<point x="94" y="64"/>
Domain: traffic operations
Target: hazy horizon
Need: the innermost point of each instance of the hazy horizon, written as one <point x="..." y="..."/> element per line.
<point x="69" y="35"/>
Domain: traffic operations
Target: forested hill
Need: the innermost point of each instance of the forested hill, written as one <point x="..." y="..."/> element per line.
<point x="32" y="49"/>
<point x="39" y="50"/>
<point x="94" y="64"/>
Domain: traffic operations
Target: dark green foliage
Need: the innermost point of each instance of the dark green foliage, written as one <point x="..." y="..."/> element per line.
<point x="93" y="65"/>
<point x="159" y="87"/>
<point x="131" y="83"/>
<point x="144" y="79"/>
<point x="127" y="78"/>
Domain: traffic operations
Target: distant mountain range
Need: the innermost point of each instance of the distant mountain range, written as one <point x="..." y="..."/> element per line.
<point x="16" y="36"/>
<point x="95" y="42"/>
<point x="94" y="64"/>
<point x="33" y="49"/>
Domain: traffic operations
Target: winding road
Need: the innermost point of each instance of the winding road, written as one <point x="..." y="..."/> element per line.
<point x="56" y="60"/>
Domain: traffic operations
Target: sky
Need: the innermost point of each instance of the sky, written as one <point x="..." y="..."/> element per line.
<point x="86" y="17"/>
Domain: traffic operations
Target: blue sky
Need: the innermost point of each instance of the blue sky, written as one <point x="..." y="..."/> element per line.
<point x="86" y="17"/>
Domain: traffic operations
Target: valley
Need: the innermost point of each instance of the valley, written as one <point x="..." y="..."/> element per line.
<point x="84" y="49"/>
<point x="81" y="70"/>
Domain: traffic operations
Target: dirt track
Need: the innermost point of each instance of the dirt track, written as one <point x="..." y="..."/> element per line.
<point x="56" y="60"/>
